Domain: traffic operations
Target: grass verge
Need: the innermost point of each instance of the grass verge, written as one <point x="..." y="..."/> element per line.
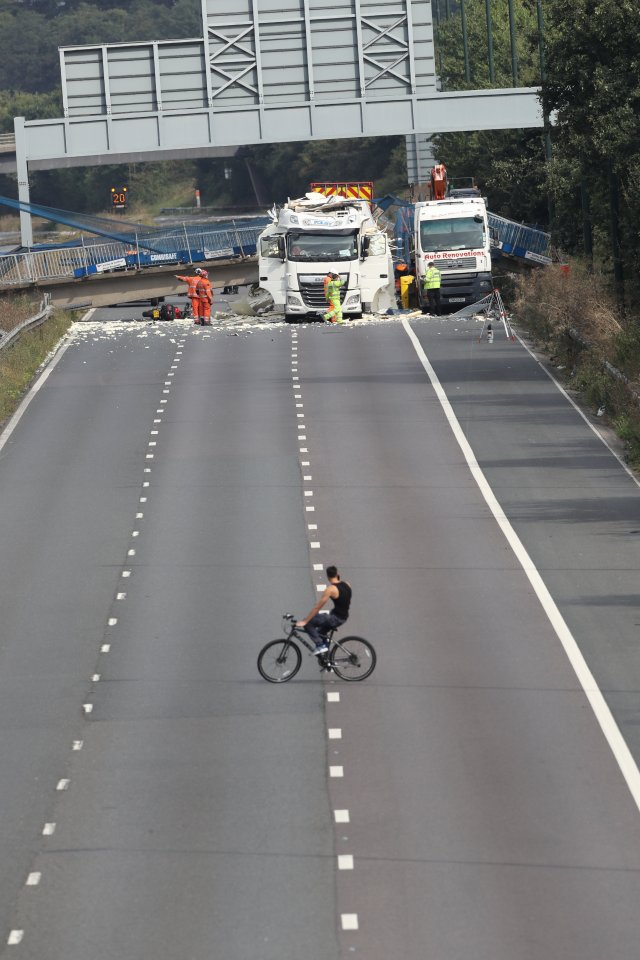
<point x="17" y="307"/>
<point x="571" y="316"/>
<point x="20" y="362"/>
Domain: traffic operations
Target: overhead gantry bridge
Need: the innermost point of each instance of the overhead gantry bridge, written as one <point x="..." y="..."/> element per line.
<point x="260" y="73"/>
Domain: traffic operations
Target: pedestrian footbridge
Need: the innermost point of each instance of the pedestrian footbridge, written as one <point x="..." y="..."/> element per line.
<point x="131" y="261"/>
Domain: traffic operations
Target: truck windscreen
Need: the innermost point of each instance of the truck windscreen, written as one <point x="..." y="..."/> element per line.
<point x="463" y="233"/>
<point x="322" y="246"/>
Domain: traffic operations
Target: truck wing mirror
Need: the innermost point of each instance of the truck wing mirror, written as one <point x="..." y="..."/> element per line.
<point x="281" y="249"/>
<point x="364" y="247"/>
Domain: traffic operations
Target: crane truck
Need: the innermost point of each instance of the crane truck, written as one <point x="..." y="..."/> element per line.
<point x="452" y="230"/>
<point x="330" y="229"/>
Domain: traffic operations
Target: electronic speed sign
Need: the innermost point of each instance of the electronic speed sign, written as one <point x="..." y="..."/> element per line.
<point x="119" y="197"/>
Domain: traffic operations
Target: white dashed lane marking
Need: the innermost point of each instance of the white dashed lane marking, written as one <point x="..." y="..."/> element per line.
<point x="348" y="921"/>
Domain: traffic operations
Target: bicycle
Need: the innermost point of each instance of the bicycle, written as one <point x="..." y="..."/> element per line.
<point x="352" y="658"/>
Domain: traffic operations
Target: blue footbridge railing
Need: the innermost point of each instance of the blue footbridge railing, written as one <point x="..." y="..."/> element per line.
<point x="517" y="240"/>
<point x="188" y="245"/>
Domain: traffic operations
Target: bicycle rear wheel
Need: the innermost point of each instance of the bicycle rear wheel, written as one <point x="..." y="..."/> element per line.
<point x="279" y="661"/>
<point x="353" y="659"/>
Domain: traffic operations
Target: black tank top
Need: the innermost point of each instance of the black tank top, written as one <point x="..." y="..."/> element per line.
<point x="342" y="601"/>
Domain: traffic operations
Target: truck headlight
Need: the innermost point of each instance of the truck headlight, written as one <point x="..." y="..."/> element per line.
<point x="293" y="301"/>
<point x="354" y="298"/>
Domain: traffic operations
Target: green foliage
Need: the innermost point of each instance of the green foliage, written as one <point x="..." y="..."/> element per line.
<point x="20" y="361"/>
<point x="593" y="61"/>
<point x="33" y="31"/>
<point x="282" y="170"/>
<point x="450" y="48"/>
<point x="627" y="426"/>
<point x="31" y="106"/>
<point x="508" y="165"/>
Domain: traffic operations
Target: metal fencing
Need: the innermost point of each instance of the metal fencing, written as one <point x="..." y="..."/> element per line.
<point x="178" y="245"/>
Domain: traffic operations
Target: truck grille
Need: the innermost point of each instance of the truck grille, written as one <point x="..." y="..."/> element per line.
<point x="466" y="263"/>
<point x="312" y="290"/>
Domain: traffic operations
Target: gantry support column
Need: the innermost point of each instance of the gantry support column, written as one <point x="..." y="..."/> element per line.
<point x="26" y="228"/>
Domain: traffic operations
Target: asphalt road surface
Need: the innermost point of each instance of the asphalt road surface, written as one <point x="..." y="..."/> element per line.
<point x="167" y="494"/>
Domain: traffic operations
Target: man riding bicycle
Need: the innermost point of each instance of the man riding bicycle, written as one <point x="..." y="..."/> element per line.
<point x="316" y="624"/>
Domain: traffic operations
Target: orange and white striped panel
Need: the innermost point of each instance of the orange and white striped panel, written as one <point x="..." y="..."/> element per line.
<point x="353" y="190"/>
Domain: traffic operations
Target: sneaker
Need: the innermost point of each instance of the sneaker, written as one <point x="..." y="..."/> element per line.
<point x="322" y="648"/>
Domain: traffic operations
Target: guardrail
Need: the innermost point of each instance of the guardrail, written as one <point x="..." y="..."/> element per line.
<point x="180" y="246"/>
<point x="30" y="324"/>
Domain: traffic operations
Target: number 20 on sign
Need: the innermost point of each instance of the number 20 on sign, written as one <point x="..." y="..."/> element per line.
<point x="119" y="197"/>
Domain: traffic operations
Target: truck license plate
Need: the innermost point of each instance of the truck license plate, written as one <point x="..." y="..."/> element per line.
<point x="456" y="299"/>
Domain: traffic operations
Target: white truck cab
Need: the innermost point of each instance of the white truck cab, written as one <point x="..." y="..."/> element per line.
<point x="454" y="234"/>
<point x="318" y="234"/>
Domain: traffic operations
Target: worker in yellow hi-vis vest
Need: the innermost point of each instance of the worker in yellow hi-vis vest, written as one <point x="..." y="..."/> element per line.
<point x="431" y="286"/>
<point x="332" y="284"/>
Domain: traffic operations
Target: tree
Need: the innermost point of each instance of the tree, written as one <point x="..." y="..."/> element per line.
<point x="509" y="165"/>
<point x="593" y="70"/>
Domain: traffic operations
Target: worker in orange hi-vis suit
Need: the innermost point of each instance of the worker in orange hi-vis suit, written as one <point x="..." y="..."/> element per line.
<point x="192" y="293"/>
<point x="205" y="296"/>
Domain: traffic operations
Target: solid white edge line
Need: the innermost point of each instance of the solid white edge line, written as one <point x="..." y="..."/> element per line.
<point x="603" y="714"/>
<point x="575" y="406"/>
<point x="22" y="407"/>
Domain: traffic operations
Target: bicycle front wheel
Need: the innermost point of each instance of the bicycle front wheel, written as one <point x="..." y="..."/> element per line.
<point x="353" y="658"/>
<point x="279" y="661"/>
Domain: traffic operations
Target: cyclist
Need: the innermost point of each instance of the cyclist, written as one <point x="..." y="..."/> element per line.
<point x="317" y="624"/>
